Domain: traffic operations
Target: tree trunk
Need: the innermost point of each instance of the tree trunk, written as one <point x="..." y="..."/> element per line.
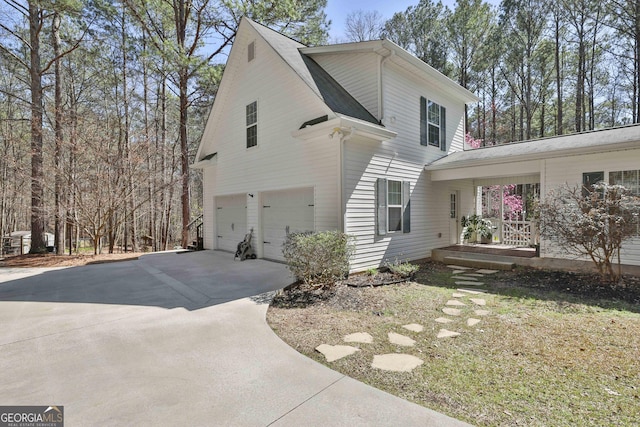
<point x="58" y="215"/>
<point x="37" y="174"/>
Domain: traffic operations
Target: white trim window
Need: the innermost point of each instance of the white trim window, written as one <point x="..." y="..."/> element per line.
<point x="433" y="124"/>
<point x="631" y="181"/>
<point x="393" y="206"/>
<point x="252" y="124"/>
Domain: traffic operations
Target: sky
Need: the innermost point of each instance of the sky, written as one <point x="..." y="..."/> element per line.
<point x="337" y="11"/>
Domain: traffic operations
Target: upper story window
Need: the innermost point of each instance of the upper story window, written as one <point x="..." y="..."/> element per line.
<point x="432" y="124"/>
<point x="252" y="124"/>
<point x="251" y="51"/>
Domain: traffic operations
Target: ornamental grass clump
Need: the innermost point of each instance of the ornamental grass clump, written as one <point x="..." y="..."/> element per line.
<point x="318" y="259"/>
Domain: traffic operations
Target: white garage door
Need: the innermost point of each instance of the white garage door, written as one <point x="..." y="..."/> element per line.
<point x="282" y="212"/>
<point x="231" y="221"/>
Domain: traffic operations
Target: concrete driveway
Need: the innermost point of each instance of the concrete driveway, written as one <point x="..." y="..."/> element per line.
<point x="172" y="340"/>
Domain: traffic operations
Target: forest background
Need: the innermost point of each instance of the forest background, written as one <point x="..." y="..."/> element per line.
<point x="103" y="103"/>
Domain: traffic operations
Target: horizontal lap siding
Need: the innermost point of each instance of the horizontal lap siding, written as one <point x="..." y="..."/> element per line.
<point x="279" y="161"/>
<point x="402" y="159"/>
<point x="357" y="73"/>
<point x="569" y="170"/>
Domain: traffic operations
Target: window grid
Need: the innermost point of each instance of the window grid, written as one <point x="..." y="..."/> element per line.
<point x="629" y="180"/>
<point x="252" y="124"/>
<point x="433" y="118"/>
<point x="394" y="206"/>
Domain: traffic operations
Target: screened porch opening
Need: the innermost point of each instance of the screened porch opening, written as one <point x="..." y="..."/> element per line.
<point x="511" y="210"/>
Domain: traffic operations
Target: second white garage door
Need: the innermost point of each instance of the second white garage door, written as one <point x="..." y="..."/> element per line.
<point x="282" y="212"/>
<point x="231" y="221"/>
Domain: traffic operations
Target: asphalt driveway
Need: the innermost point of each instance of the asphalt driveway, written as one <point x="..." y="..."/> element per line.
<point x="172" y="340"/>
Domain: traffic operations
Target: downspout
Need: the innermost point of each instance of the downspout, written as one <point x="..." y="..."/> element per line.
<point x="383" y="61"/>
<point x="344" y="137"/>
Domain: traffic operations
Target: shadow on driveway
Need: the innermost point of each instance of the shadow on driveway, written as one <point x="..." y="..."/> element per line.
<point x="168" y="280"/>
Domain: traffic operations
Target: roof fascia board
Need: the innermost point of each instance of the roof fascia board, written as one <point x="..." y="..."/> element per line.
<point x="568" y="152"/>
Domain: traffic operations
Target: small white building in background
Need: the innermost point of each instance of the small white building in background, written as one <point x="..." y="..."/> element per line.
<point x="367" y="139"/>
<point x="19" y="242"/>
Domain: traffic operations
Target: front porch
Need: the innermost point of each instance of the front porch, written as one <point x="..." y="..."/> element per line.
<point x="493" y="256"/>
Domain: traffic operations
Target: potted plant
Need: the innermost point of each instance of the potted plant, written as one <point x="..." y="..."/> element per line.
<point x="476" y="229"/>
<point x="485" y="231"/>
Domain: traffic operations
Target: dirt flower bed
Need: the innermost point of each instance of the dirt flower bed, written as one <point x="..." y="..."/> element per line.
<point x="51" y="260"/>
<point x="556" y="349"/>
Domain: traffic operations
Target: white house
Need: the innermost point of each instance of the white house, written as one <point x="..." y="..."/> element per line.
<point x="360" y="137"/>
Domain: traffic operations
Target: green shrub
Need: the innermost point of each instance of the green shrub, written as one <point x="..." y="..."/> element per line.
<point x="403" y="269"/>
<point x="318" y="259"/>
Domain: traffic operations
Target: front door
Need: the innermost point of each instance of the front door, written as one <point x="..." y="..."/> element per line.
<point x="454" y="220"/>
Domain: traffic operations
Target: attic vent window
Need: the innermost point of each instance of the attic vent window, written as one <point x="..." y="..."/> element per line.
<point x="251" y="51"/>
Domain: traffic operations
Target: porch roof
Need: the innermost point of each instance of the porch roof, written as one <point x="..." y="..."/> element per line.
<point x="599" y="141"/>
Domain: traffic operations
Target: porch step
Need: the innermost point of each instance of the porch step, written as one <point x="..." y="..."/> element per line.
<point x="479" y="263"/>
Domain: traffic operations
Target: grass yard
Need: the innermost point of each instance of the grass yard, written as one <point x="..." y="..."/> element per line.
<point x="556" y="349"/>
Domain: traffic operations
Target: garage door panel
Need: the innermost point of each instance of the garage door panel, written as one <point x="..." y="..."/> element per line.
<point x="231" y="221"/>
<point x="285" y="212"/>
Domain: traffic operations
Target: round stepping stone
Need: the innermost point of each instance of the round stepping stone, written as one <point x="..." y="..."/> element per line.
<point x="458" y="295"/>
<point x="469" y="283"/>
<point x="451" y="311"/>
<point x="359" y="337"/>
<point x="481" y="312"/>
<point x="414" y="327"/>
<point x="443" y="320"/>
<point x="447" y="334"/>
<point x="478" y="301"/>
<point x="335" y="352"/>
<point x="483" y="271"/>
<point x="456" y="303"/>
<point x="472" y="291"/>
<point x="400" y="340"/>
<point x="472" y="322"/>
<point x="396" y="362"/>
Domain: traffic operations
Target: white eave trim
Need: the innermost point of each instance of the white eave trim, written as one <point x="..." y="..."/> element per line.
<point x="346" y="126"/>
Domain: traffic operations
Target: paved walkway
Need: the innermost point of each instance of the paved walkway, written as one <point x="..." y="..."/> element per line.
<point x="172" y="340"/>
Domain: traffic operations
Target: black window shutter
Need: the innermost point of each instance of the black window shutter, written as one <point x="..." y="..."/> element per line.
<point x="423" y="121"/>
<point x="443" y="129"/>
<point x="406" y="209"/>
<point x="381" y="206"/>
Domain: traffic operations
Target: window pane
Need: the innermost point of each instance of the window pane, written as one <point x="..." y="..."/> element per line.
<point x="434" y="113"/>
<point x="434" y="135"/>
<point x="615" y="178"/>
<point x="394" y="193"/>
<point x="453" y="206"/>
<point x="252" y="113"/>
<point x="395" y="219"/>
<point x="252" y="136"/>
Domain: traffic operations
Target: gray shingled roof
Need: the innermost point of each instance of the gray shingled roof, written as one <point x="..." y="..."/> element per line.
<point x="325" y="87"/>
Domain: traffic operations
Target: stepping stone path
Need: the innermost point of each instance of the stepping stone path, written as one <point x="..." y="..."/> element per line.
<point x="335" y="352"/>
<point x="398" y="362"/>
<point x="414" y="327"/>
<point x="447" y="334"/>
<point x="452" y="311"/>
<point x="400" y="340"/>
<point x="359" y="337"/>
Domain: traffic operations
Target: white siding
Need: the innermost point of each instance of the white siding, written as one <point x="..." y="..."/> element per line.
<point x="358" y="74"/>
<point x="278" y="161"/>
<point x="569" y="170"/>
<point x="401" y="159"/>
